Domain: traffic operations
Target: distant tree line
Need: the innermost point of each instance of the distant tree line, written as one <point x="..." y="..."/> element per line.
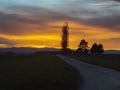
<point x="84" y="49"/>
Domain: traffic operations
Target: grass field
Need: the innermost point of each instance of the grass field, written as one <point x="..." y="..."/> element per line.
<point x="109" y="61"/>
<point x="43" y="71"/>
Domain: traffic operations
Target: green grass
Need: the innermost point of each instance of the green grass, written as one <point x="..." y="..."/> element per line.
<point x="42" y="71"/>
<point x="107" y="61"/>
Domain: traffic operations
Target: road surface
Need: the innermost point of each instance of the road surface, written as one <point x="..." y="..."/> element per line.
<point x="94" y="77"/>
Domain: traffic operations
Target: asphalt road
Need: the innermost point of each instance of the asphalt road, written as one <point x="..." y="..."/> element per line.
<point x="94" y="77"/>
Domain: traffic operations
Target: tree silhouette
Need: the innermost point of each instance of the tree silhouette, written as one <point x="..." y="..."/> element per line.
<point x="83" y="47"/>
<point x="100" y="48"/>
<point x="65" y="34"/>
<point x="96" y="49"/>
<point x="83" y="44"/>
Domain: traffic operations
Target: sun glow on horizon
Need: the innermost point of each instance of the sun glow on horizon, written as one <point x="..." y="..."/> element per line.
<point x="52" y="37"/>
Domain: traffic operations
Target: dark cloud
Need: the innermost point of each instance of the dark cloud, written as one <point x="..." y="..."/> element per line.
<point x="27" y="19"/>
<point x="20" y="24"/>
<point x="117" y="0"/>
<point x="109" y="22"/>
<point x="32" y="19"/>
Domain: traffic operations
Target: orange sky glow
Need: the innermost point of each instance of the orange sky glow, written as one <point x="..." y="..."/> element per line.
<point x="52" y="37"/>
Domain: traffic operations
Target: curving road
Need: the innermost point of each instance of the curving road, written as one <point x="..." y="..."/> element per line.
<point x="94" y="77"/>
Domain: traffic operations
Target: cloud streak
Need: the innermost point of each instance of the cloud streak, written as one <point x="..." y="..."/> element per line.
<point x="31" y="18"/>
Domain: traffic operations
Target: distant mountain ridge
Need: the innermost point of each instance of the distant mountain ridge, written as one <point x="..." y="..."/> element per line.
<point x="27" y="50"/>
<point x="46" y="49"/>
<point x="112" y="52"/>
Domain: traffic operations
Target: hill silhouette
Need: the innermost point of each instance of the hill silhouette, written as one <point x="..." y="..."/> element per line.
<point x="27" y="50"/>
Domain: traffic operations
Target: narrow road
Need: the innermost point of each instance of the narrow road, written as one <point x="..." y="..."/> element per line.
<point x="94" y="77"/>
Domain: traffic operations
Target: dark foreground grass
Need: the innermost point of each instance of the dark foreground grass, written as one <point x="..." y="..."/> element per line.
<point x="108" y="61"/>
<point x="43" y="71"/>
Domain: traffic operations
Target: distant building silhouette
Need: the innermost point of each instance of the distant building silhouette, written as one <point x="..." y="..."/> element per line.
<point x="65" y="34"/>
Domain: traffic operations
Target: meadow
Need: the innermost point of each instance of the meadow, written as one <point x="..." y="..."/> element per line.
<point x="40" y="71"/>
<point x="111" y="61"/>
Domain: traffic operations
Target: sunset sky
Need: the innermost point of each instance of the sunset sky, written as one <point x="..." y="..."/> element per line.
<point x="38" y="23"/>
